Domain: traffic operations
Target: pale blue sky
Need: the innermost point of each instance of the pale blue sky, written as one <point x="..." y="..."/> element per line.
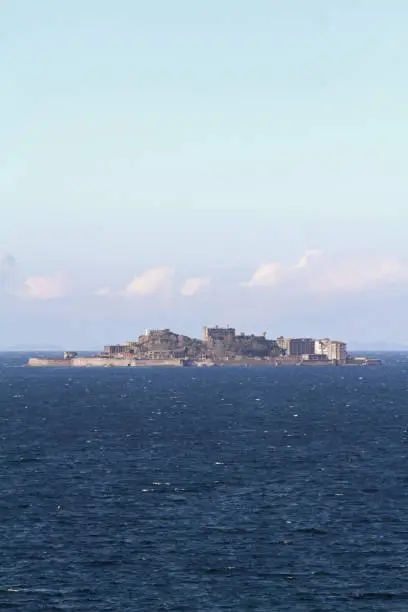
<point x="209" y="137"/>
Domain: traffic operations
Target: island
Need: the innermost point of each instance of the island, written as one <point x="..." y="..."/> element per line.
<point x="219" y="346"/>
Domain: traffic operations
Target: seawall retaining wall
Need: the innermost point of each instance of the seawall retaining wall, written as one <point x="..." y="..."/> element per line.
<point x="84" y="362"/>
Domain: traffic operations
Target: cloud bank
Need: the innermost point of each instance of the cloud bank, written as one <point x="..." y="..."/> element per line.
<point x="319" y="274"/>
<point x="313" y="274"/>
<point x="349" y="295"/>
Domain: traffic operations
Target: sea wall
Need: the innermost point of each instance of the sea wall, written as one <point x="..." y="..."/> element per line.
<point x="42" y="362"/>
<point x="101" y="362"/>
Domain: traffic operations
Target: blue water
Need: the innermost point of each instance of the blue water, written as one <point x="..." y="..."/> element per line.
<point x="203" y="490"/>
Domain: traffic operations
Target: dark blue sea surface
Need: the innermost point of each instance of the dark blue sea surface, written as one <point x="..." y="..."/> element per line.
<point x="203" y="489"/>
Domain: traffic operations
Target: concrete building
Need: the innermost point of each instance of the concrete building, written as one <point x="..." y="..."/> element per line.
<point x="283" y="344"/>
<point x="333" y="349"/>
<point x="131" y="344"/>
<point x="322" y="347"/>
<point x="337" y="351"/>
<point x="315" y="357"/>
<point x="224" y="335"/>
<point x="115" y="350"/>
<point x="296" y="346"/>
<point x="301" y="346"/>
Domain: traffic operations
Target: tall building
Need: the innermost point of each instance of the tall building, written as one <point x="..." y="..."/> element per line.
<point x="224" y="335"/>
<point x="301" y="346"/>
<point x="334" y="349"/>
<point x="283" y="344"/>
<point x="337" y="351"/>
<point x="115" y="350"/>
<point x="322" y="347"/>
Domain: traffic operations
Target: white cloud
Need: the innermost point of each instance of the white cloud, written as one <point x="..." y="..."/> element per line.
<point x="273" y="273"/>
<point x="304" y="260"/>
<point x="152" y="281"/>
<point x="320" y="274"/>
<point x="46" y="287"/>
<point x="267" y="275"/>
<point x="194" y="285"/>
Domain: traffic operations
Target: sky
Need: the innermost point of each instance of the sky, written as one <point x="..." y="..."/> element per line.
<point x="190" y="163"/>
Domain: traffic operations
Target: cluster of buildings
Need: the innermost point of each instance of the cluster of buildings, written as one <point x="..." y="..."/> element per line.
<point x="219" y="346"/>
<point x="313" y="349"/>
<point x="154" y="344"/>
<point x="225" y="344"/>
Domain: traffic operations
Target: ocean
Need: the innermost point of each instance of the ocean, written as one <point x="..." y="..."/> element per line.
<point x="204" y="489"/>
